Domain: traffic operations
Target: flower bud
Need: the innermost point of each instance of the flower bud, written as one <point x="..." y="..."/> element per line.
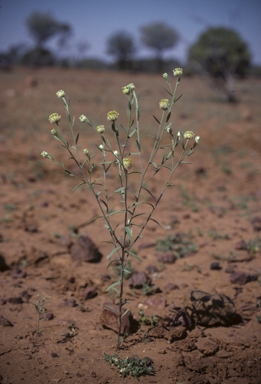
<point x="116" y="154"/>
<point x="127" y="163"/>
<point x="126" y="90"/>
<point x="197" y="138"/>
<point x="177" y="71"/>
<point x="83" y="118"/>
<point x="46" y="155"/>
<point x="54" y="118"/>
<point x="101" y="147"/>
<point x="131" y="86"/>
<point x="60" y="94"/>
<point x="179" y="135"/>
<point x="100" y="129"/>
<point x="54" y="132"/>
<point x="86" y="152"/>
<point x="166" y="77"/>
<point x="163" y="104"/>
<point x="112" y="115"/>
<point x="188" y="135"/>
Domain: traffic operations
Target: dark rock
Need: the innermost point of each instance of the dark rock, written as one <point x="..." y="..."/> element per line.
<point x="15" y="300"/>
<point x="160" y="303"/>
<point x="210" y="310"/>
<point x="19" y="274"/>
<point x="182" y="318"/>
<point x="105" y="277"/>
<point x="44" y="203"/>
<point x="168" y="258"/>
<point x="85" y="250"/>
<point x="54" y="355"/>
<point x="152" y="269"/>
<point x="215" y="266"/>
<point x="256" y="222"/>
<point x="3" y="265"/>
<point x="242" y="278"/>
<point x="25" y="295"/>
<point x="170" y="287"/>
<point x="65" y="241"/>
<point x="138" y="279"/>
<point x="4" y="322"/>
<point x="70" y="303"/>
<point x="2" y="301"/>
<point x="241" y="245"/>
<point x="109" y="318"/>
<point x="89" y="293"/>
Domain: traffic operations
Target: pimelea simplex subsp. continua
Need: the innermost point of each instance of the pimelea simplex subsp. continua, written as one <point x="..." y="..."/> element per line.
<point x="123" y="237"/>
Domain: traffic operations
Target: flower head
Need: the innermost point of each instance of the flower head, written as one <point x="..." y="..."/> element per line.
<point x="86" y="152"/>
<point x="178" y="72"/>
<point x="188" y="135"/>
<point x="100" y="129"/>
<point x="54" y="118"/>
<point x="112" y="115"/>
<point x="126" y="90"/>
<point x="83" y="118"/>
<point x="197" y="138"/>
<point x="163" y="104"/>
<point x="60" y="94"/>
<point x="165" y="75"/>
<point x="46" y="155"/>
<point x="127" y="163"/>
<point x="54" y="132"/>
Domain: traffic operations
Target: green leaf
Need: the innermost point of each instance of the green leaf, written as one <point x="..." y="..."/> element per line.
<point x="134" y="172"/>
<point x="131" y="134"/>
<point x="128" y="231"/>
<point x="146" y="189"/>
<point x="113" y="213"/>
<point x="140" y="214"/>
<point x="125" y="313"/>
<point x="178" y="98"/>
<point x="157" y="222"/>
<point x="138" y="145"/>
<point x="133" y="254"/>
<point x="74" y="147"/>
<point x="123" y="128"/>
<point x="98" y="193"/>
<point x="114" y="310"/>
<point x="77" y="137"/>
<point x="168" y="117"/>
<point x="168" y="92"/>
<point x="185" y="162"/>
<point x="77" y="186"/>
<point x="112" y="252"/>
<point x="165" y="166"/>
<point x="153" y="137"/>
<point x="112" y="262"/>
<point x="156" y="119"/>
<point x="112" y="286"/>
<point x="96" y="217"/>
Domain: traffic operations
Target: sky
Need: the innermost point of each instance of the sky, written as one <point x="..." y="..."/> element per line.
<point x="93" y="22"/>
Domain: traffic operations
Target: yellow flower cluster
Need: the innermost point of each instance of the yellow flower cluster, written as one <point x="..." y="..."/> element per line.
<point x="127" y="163"/>
<point x="164" y="104"/>
<point x="112" y="116"/>
<point x="54" y="118"/>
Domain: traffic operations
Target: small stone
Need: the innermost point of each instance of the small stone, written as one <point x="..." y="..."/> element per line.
<point x="54" y="355"/>
<point x="19" y="274"/>
<point x="241" y="245"/>
<point x="15" y="300"/>
<point x="89" y="293"/>
<point x="44" y="203"/>
<point x="65" y="241"/>
<point x="69" y="303"/>
<point x="93" y="375"/>
<point x="4" y="322"/>
<point x="85" y="250"/>
<point x="170" y="287"/>
<point x="109" y="318"/>
<point x="215" y="266"/>
<point x="160" y="303"/>
<point x="48" y="316"/>
<point x="25" y="295"/>
<point x="2" y="301"/>
<point x="230" y="268"/>
<point x="138" y="279"/>
<point x="256" y="222"/>
<point x="168" y="258"/>
<point x="242" y="278"/>
<point x="152" y="269"/>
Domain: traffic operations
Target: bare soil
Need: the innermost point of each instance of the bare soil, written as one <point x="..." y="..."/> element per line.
<point x="214" y="206"/>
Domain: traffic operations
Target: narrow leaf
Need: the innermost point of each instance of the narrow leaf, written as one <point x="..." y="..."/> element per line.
<point x="149" y="192"/>
<point x="113" y="285"/>
<point x="156" y="119"/>
<point x="178" y="98"/>
<point x="157" y="222"/>
<point x="96" y="217"/>
<point x="112" y="252"/>
<point x="138" y="145"/>
<point x="112" y="262"/>
<point x="127" y="310"/>
<point x="77" y="186"/>
<point x="168" y="117"/>
<point x="123" y="129"/>
<point x="113" y="309"/>
<point x="128" y="231"/>
<point x="168" y="92"/>
<point x="133" y="254"/>
<point x="73" y="147"/>
<point x="77" y="137"/>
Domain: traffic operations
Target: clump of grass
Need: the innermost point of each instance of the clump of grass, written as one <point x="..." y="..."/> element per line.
<point x="178" y="244"/>
<point x="144" y="320"/>
<point x="217" y="236"/>
<point x="133" y="366"/>
<point x="40" y="308"/>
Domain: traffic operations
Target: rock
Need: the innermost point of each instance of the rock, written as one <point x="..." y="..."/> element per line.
<point x="65" y="241"/>
<point x="109" y="318"/>
<point x="48" y="316"/>
<point x="215" y="266"/>
<point x="152" y="269"/>
<point x="256" y="222"/>
<point x="242" y="278"/>
<point x="69" y="303"/>
<point x="170" y="287"/>
<point x="209" y="310"/>
<point x="207" y="347"/>
<point x="230" y="268"/>
<point x="89" y="293"/>
<point x="138" y="279"/>
<point x="19" y="274"/>
<point x="3" y="265"/>
<point x="171" y="335"/>
<point x="25" y="295"/>
<point x="4" y="322"/>
<point x="241" y="245"/>
<point x="15" y="300"/>
<point x="168" y="258"/>
<point x="160" y="303"/>
<point x="85" y="250"/>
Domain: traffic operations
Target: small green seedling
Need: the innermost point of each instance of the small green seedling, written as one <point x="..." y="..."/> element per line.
<point x="39" y="307"/>
<point x="144" y="320"/>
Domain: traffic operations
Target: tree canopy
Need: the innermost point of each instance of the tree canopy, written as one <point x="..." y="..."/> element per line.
<point x="121" y="45"/>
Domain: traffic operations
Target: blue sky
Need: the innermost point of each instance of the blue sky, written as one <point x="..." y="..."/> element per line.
<point x="95" y="21"/>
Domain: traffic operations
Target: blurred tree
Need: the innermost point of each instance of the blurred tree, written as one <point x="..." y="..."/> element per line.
<point x="42" y="26"/>
<point x="223" y="54"/>
<point x="121" y="45"/>
<point x="159" y="37"/>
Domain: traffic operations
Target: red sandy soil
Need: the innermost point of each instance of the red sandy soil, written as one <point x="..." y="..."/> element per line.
<point x="215" y="205"/>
